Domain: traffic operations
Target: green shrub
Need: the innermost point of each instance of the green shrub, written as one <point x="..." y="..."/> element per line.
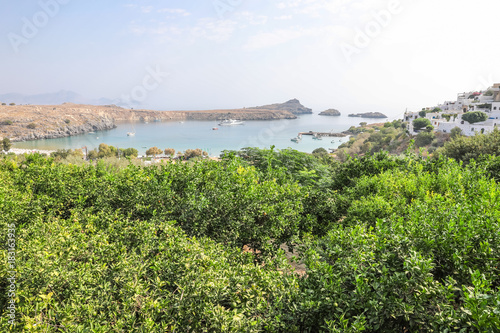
<point x="467" y="148"/>
<point x="420" y="123"/>
<point x="474" y="117"/>
<point x="456" y="132"/>
<point x="424" y="139"/>
<point x="31" y="126"/>
<point x="390" y="244"/>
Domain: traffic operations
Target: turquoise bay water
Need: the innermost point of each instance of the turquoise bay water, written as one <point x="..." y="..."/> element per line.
<point x="199" y="134"/>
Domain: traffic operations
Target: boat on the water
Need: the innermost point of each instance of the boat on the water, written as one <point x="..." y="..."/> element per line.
<point x="130" y="133"/>
<point x="296" y="139"/>
<point x="215" y="128"/>
<point x="231" y="122"/>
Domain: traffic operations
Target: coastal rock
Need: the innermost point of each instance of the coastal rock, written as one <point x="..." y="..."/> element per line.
<point x="68" y="119"/>
<point x="368" y="115"/>
<point x="292" y="106"/>
<point x="330" y="112"/>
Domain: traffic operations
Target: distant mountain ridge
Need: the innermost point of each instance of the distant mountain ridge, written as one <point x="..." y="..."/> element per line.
<point x="55" y="98"/>
<point x="292" y="106"/>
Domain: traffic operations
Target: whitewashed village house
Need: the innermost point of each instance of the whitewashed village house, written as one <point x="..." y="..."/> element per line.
<point x="487" y="101"/>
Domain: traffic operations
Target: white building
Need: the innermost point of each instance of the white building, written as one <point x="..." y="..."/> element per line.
<point x="452" y="112"/>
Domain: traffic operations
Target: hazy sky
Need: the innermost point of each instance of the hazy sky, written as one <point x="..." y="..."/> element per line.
<point x="356" y="56"/>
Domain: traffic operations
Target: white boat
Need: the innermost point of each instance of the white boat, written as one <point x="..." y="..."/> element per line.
<point x="231" y="122"/>
<point x="130" y="133"/>
<point x="296" y="139"/>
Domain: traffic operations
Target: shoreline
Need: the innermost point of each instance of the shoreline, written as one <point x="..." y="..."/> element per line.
<point x="20" y="151"/>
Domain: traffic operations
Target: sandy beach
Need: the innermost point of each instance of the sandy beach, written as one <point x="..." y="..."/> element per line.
<point x="18" y="151"/>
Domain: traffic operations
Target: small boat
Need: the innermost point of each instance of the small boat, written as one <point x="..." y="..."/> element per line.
<point x="296" y="139"/>
<point x="130" y="133"/>
<point x="215" y="128"/>
<point x="231" y="122"/>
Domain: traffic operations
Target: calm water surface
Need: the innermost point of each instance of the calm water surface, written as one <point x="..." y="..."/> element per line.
<point x="199" y="134"/>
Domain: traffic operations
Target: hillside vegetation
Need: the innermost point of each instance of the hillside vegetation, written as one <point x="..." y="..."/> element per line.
<point x="391" y="137"/>
<point x="390" y="244"/>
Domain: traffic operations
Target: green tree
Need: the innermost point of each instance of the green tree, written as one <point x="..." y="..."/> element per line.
<point x="363" y="123"/>
<point x="191" y="153"/>
<point x="170" y="152"/>
<point x="153" y="151"/>
<point x="6" y="144"/>
<point x="12" y="104"/>
<point x="456" y="132"/>
<point x="61" y="154"/>
<point x="474" y="117"/>
<point x="320" y="151"/>
<point x="31" y="126"/>
<point x="107" y="151"/>
<point x="129" y="152"/>
<point x="465" y="148"/>
<point x="93" y="154"/>
<point x="420" y="123"/>
<point x="424" y="139"/>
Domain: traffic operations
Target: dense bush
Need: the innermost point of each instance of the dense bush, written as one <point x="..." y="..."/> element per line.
<point x="464" y="148"/>
<point x="6" y="144"/>
<point x="424" y="139"/>
<point x="390" y="244"/>
<point x="420" y="123"/>
<point x="474" y="117"/>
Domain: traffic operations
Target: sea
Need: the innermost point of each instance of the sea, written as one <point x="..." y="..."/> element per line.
<point x="192" y="134"/>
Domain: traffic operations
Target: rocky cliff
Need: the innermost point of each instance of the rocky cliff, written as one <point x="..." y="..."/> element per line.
<point x="330" y="112"/>
<point x="32" y="122"/>
<point x="292" y="106"/>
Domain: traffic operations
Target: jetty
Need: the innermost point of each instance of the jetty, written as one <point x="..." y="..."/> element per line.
<point x="319" y="134"/>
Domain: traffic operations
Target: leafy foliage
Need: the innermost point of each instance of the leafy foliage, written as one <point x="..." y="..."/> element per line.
<point x="464" y="148"/>
<point x="424" y="139"/>
<point x="169" y="151"/>
<point x="6" y="144"/>
<point x="390" y="244"/>
<point x="153" y="151"/>
<point x="474" y="116"/>
<point x="420" y="123"/>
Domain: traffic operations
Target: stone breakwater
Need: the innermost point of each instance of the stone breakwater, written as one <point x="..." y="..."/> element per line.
<point x="35" y="122"/>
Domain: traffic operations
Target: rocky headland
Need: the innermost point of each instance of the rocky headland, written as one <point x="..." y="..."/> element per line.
<point x="33" y="122"/>
<point x="293" y="106"/>
<point x="368" y="115"/>
<point x="330" y="112"/>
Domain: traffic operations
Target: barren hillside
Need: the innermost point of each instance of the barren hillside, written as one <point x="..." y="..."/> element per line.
<point x="32" y="122"/>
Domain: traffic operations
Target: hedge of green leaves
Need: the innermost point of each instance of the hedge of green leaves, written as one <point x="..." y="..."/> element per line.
<point x="391" y="244"/>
